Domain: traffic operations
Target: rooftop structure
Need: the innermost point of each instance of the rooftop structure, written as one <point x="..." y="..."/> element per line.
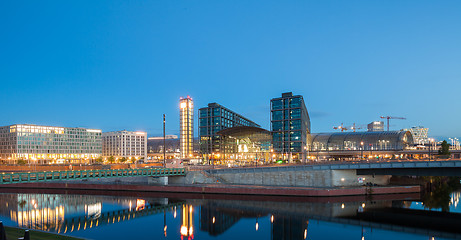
<point x="376" y="126"/>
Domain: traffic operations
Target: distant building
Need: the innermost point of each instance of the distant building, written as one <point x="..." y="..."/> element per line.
<point x="290" y="126"/>
<point x="166" y="137"/>
<point x="377" y="126"/>
<point x="155" y="144"/>
<point x="186" y="127"/>
<point x="213" y="119"/>
<point x="419" y="134"/>
<point x="46" y="144"/>
<point x="124" y="144"/>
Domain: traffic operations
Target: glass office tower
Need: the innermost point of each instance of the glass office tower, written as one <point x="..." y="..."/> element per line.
<point x="186" y="127"/>
<point x="214" y="118"/>
<point x="290" y="126"/>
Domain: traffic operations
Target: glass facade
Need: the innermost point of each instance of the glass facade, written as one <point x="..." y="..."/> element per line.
<point x="186" y="127"/>
<point x="213" y="119"/>
<point x="352" y="141"/>
<point x="290" y="126"/>
<point x="244" y="146"/>
<point x="419" y="134"/>
<point x="44" y="143"/>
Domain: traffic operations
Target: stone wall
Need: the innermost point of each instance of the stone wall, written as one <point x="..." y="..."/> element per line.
<point x="312" y="178"/>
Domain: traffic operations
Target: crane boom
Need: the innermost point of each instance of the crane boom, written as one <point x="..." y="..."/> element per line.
<point x="390" y="117"/>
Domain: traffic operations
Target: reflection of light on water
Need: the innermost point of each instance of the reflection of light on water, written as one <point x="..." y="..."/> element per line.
<point x="454" y="199"/>
<point x="187" y="226"/>
<point x="93" y="210"/>
<point x="43" y="218"/>
<point x="140" y="204"/>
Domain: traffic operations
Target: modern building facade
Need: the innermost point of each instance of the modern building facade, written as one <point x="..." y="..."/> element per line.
<point x="186" y="127"/>
<point x="419" y="134"/>
<point x="124" y="144"/>
<point x="213" y="119"/>
<point x="43" y="144"/>
<point x="290" y="126"/>
<point x="376" y="126"/>
<point x="244" y="145"/>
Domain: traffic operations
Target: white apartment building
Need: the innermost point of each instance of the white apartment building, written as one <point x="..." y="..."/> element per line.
<point x="124" y="144"/>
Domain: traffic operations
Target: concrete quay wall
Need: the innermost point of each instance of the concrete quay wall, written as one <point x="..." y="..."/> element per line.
<point x="312" y="178"/>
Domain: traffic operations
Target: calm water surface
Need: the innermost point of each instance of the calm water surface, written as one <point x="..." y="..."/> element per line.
<point x="97" y="215"/>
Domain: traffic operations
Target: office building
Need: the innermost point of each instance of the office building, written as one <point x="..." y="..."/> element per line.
<point x="186" y="127"/>
<point x="213" y="119"/>
<point x="44" y="144"/>
<point x="124" y="144"/>
<point x="290" y="126"/>
<point x="377" y="126"/>
<point x="419" y="134"/>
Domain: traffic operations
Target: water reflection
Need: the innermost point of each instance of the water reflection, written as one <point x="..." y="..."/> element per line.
<point x="221" y="216"/>
<point x="187" y="226"/>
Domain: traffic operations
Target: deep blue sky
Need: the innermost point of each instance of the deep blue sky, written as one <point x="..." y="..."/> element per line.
<point x="121" y="64"/>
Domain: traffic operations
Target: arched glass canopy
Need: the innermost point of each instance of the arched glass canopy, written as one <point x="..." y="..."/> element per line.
<point x="353" y="141"/>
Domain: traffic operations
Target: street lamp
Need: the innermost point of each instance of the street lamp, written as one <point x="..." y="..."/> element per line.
<point x="361" y="143"/>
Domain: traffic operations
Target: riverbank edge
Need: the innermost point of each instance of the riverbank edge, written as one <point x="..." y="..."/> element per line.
<point x="15" y="233"/>
<point x="226" y="189"/>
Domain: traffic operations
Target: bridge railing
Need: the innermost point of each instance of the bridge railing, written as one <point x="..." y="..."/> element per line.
<point x="25" y="177"/>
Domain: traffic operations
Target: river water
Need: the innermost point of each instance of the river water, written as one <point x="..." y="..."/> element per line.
<point x="127" y="215"/>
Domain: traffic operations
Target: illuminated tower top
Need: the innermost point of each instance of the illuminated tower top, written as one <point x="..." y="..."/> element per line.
<point x="186" y="126"/>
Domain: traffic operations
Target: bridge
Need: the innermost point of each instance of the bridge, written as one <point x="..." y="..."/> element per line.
<point x="390" y="167"/>
<point x="48" y="176"/>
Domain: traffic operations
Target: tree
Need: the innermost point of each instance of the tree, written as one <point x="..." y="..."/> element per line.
<point x="111" y="159"/>
<point x="122" y="160"/>
<point x="444" y="149"/>
<point x="22" y="162"/>
<point x="98" y="160"/>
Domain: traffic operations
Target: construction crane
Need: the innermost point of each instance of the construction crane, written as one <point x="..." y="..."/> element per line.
<point x="353" y="127"/>
<point x="341" y="127"/>
<point x="389" y="117"/>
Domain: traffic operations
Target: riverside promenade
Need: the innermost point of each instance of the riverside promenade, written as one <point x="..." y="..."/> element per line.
<point x="294" y="180"/>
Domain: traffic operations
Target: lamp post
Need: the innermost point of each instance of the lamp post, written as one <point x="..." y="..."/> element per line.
<point x="430" y="145"/>
<point x="361" y="148"/>
<point x="371" y="150"/>
<point x="164" y="140"/>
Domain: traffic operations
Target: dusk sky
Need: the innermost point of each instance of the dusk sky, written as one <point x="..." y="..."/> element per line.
<point x="117" y="65"/>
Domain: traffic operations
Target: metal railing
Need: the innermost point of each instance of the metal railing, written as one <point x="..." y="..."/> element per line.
<point x="30" y="177"/>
